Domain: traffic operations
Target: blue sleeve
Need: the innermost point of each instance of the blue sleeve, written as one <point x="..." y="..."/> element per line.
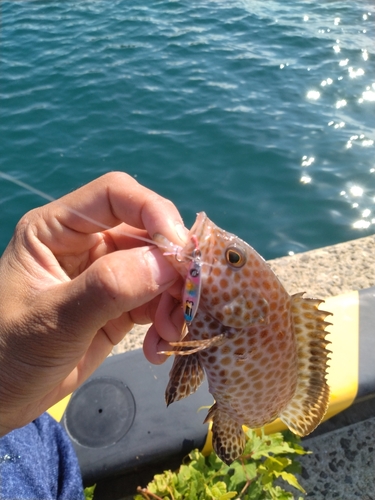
<point x="38" y="462"/>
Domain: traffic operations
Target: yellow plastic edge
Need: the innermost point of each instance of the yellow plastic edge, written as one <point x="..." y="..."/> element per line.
<point x="57" y="411"/>
<point x="342" y="376"/>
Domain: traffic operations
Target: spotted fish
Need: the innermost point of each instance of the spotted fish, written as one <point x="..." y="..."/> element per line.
<point x="264" y="352"/>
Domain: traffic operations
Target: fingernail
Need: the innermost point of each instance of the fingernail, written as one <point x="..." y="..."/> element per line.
<point x="181" y="231"/>
<point x="162" y="271"/>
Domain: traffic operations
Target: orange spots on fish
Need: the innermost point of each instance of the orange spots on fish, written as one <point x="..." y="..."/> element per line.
<point x="283" y="346"/>
<point x="271" y="349"/>
<point x="226" y="361"/>
<point x="247" y="317"/>
<point x="224" y="283"/>
<point x="266" y="341"/>
<point x="273" y="306"/>
<point x="246" y="272"/>
<point x="258" y="385"/>
<point x="276" y="326"/>
<point x="225" y="349"/>
<point x="215" y="300"/>
<point x="273" y="317"/>
<point x="252" y="372"/>
<point x="266" y="284"/>
<point x="239" y="352"/>
<point x="249" y="305"/>
<point x="251" y="341"/>
<point x="220" y="316"/>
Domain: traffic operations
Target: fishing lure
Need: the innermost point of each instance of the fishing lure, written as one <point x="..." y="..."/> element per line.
<point x="193" y="284"/>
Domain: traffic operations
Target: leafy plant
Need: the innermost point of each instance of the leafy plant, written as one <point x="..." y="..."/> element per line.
<point x="89" y="492"/>
<point x="266" y="459"/>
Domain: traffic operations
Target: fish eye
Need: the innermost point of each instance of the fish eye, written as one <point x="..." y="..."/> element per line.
<point x="235" y="257"/>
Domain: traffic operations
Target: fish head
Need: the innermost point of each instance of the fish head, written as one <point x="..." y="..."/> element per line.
<point x="232" y="275"/>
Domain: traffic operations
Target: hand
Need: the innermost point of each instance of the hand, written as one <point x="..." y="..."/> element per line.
<point x="69" y="290"/>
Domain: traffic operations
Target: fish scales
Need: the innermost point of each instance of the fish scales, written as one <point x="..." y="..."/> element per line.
<point x="263" y="351"/>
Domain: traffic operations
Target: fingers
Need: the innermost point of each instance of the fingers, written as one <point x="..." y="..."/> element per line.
<point x="153" y="344"/>
<point x="169" y="318"/>
<point x="104" y="203"/>
<point x="168" y="327"/>
<point x="118" y="283"/>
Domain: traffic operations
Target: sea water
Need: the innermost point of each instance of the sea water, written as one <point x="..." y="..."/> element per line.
<point x="261" y="114"/>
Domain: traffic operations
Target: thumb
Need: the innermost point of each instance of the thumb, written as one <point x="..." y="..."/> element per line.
<point x="113" y="285"/>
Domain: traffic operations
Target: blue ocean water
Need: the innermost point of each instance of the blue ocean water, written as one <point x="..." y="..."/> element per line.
<point x="259" y="113"/>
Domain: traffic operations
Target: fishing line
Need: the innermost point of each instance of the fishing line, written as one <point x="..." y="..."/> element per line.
<point x="176" y="249"/>
<point x="47" y="197"/>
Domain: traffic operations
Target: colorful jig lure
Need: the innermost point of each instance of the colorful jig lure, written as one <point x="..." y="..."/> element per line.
<point x="193" y="285"/>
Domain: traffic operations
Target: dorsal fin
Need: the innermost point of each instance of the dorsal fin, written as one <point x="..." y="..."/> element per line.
<point x="310" y="401"/>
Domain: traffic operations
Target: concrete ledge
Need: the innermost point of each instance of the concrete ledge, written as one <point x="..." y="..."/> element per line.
<point x="342" y="464"/>
<point x="329" y="271"/>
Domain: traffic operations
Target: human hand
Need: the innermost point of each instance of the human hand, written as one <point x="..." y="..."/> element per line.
<point x="70" y="290"/>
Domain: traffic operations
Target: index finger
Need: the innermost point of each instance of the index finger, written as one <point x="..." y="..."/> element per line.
<point x="114" y="198"/>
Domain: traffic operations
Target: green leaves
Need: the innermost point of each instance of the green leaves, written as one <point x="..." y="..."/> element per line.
<point x="266" y="459"/>
<point x="89" y="492"/>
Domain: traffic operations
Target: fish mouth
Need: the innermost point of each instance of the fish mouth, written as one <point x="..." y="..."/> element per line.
<point x="198" y="228"/>
<point x="200" y="238"/>
<point x="201" y="232"/>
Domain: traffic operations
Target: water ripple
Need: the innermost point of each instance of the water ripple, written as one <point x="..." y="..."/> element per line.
<point x="214" y="105"/>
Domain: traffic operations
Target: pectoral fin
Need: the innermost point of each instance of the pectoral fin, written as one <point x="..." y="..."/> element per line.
<point x="309" y="404"/>
<point x="185" y="377"/>
<point x="188" y="347"/>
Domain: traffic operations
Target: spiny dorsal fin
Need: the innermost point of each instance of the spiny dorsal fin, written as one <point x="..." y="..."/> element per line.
<point x="185" y="377"/>
<point x="309" y="404"/>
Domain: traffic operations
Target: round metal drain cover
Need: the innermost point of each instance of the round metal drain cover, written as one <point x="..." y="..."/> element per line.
<point x="100" y="412"/>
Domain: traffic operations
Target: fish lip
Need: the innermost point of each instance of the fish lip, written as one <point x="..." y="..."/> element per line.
<point x="202" y="230"/>
<point x="199" y="225"/>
